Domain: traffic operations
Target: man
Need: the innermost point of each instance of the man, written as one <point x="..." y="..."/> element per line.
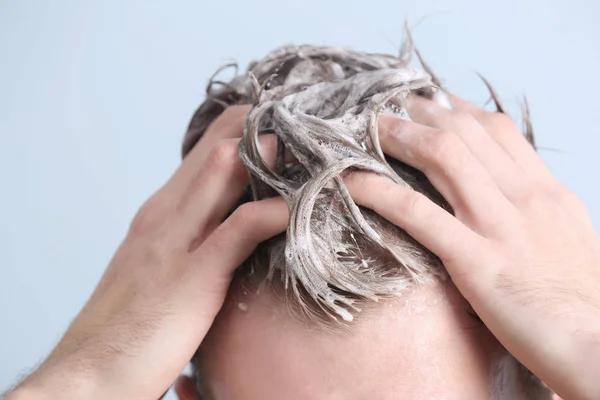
<point x="517" y="245"/>
<point x="273" y="343"/>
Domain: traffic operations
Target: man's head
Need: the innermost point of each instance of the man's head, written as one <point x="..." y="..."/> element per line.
<point x="288" y="328"/>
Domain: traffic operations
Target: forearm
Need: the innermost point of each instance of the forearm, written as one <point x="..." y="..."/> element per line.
<point x="585" y="374"/>
<point x="54" y="383"/>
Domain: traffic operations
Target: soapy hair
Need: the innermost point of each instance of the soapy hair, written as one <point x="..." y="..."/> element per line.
<point x="323" y="104"/>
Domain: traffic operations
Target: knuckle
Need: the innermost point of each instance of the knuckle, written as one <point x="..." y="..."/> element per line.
<point x="363" y="185"/>
<point x="231" y="113"/>
<point x="359" y="180"/>
<point x="147" y="254"/>
<point x="150" y="217"/>
<point x="536" y="200"/>
<point x="158" y="252"/>
<point x="462" y="117"/>
<point x="499" y="124"/>
<point x="391" y="126"/>
<point x="500" y="119"/>
<point x="236" y="109"/>
<point x="415" y="204"/>
<point x="245" y="216"/>
<point x="443" y="145"/>
<point x="379" y="188"/>
<point x="224" y="156"/>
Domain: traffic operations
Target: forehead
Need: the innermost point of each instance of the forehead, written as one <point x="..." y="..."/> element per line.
<point x="424" y="345"/>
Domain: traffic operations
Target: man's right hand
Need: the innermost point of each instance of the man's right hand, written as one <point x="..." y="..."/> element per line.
<point x="167" y="281"/>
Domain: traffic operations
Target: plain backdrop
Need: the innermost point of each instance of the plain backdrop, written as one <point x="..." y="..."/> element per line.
<point x="95" y="97"/>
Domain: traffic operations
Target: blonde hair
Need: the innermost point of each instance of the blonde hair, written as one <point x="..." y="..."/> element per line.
<point x="323" y="104"/>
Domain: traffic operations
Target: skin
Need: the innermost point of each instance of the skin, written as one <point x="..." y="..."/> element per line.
<point x="423" y="345"/>
<point x="521" y="250"/>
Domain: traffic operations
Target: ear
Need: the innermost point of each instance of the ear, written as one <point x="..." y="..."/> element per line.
<point x="185" y="387"/>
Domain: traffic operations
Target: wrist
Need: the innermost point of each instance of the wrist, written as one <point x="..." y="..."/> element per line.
<point x="59" y="384"/>
<point x="27" y="393"/>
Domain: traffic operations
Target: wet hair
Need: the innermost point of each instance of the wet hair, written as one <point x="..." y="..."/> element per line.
<point x="323" y="105"/>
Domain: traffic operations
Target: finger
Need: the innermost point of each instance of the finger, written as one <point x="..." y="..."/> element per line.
<point x="236" y="238"/>
<point x="228" y="125"/>
<point x="452" y="169"/>
<point x="506" y="133"/>
<point x="425" y="221"/>
<point x="502" y="168"/>
<point x="216" y="187"/>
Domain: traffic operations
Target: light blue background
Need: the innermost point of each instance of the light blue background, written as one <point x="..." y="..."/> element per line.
<point x="95" y="96"/>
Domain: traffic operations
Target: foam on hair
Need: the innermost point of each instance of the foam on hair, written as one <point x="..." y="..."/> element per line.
<point x="323" y="104"/>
